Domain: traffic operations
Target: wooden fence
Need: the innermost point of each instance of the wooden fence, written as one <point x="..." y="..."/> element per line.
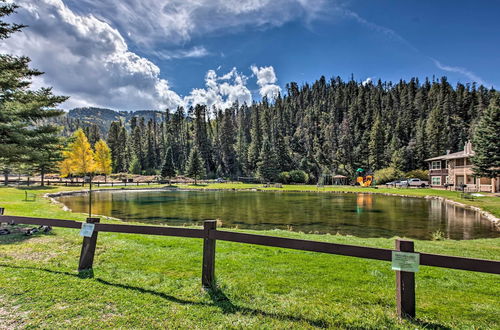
<point x="81" y="183"/>
<point x="405" y="281"/>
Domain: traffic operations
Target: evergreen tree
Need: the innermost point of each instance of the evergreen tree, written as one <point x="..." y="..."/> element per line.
<point x="47" y="156"/>
<point x="22" y="110"/>
<point x="486" y="142"/>
<point x="329" y="126"/>
<point x="256" y="140"/>
<point x="93" y="134"/>
<point x="168" y="169"/>
<point x="114" y="145"/>
<point x="398" y="160"/>
<point x="435" y="132"/>
<point x="242" y="139"/>
<point x="137" y="145"/>
<point x="195" y="166"/>
<point x="227" y="141"/>
<point x="124" y="151"/>
<point x="283" y="158"/>
<point x="267" y="167"/>
<point x="201" y="139"/>
<point x="135" y="165"/>
<point x="376" y="146"/>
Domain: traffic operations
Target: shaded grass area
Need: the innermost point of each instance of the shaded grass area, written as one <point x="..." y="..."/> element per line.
<point x="489" y="202"/>
<point x="155" y="282"/>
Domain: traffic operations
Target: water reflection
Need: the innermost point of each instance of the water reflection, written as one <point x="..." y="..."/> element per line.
<point x="363" y="215"/>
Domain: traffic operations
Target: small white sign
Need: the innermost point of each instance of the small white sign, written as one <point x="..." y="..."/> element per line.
<point x="405" y="261"/>
<point x="87" y="229"/>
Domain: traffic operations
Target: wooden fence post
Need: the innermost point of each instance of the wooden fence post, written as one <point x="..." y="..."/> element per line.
<point x="405" y="285"/>
<point x="2" y="210"/>
<point x="208" y="271"/>
<point x="88" y="249"/>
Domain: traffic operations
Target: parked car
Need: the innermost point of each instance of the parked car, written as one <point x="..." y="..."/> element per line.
<point x="416" y="183"/>
<point x="220" y="180"/>
<point x="393" y="183"/>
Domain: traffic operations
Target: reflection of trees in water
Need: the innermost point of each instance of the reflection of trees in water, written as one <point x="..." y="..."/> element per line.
<point x="365" y="215"/>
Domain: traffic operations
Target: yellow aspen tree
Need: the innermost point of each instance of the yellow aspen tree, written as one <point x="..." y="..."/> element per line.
<point x="102" y="158"/>
<point x="81" y="154"/>
<point x="65" y="166"/>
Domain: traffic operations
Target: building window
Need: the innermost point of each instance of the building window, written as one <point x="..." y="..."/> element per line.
<point x="436" y="165"/>
<point x="460" y="162"/>
<point x="436" y="180"/>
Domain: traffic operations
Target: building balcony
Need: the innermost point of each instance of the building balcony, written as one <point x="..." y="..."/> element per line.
<point x="442" y="171"/>
<point x="463" y="166"/>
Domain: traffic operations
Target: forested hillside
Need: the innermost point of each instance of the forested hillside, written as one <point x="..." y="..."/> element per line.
<point x="100" y="118"/>
<point x="327" y="127"/>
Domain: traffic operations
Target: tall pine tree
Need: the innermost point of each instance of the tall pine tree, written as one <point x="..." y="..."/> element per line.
<point x="486" y="142"/>
<point x="23" y="110"/>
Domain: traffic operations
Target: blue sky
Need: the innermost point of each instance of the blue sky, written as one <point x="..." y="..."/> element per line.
<point x="142" y="54"/>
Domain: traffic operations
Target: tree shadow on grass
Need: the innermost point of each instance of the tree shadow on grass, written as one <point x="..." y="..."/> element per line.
<point x="219" y="299"/>
<point x="17" y="236"/>
<point x="35" y="188"/>
<point x="429" y="325"/>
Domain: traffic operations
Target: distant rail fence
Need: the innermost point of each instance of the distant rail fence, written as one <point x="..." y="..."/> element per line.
<point x="95" y="183"/>
<point x="81" y="183"/>
<point x="405" y="281"/>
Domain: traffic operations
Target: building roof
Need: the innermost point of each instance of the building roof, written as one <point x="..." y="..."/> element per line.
<point x="455" y="155"/>
<point x="466" y="153"/>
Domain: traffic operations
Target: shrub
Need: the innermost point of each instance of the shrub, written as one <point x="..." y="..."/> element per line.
<point x="298" y="176"/>
<point x="387" y="174"/>
<point x="419" y="174"/>
<point x="311" y="178"/>
<point x="284" y="177"/>
<point x="438" y="235"/>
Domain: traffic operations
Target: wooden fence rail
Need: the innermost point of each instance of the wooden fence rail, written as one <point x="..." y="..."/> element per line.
<point x="405" y="281"/>
<point x="96" y="183"/>
<point x="80" y="183"/>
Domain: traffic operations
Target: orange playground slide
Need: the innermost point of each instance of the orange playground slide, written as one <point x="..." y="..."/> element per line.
<point x="364" y="181"/>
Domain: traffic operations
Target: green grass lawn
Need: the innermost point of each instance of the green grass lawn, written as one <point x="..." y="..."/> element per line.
<point x="155" y="282"/>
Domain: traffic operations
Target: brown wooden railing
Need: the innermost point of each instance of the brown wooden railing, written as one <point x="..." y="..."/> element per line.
<point x="68" y="183"/>
<point x="405" y="281"/>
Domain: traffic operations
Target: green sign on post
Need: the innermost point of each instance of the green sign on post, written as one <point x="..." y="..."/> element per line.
<point x="87" y="229"/>
<point x="405" y="261"/>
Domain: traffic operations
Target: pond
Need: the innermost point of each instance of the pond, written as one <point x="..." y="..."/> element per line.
<point x="363" y="215"/>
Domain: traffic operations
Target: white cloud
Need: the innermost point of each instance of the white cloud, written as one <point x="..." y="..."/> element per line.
<point x="266" y="79"/>
<point x="221" y="91"/>
<point x="470" y="75"/>
<point x="87" y="59"/>
<point x="176" y="21"/>
<point x="389" y="33"/>
<point x="195" y="52"/>
<point x="366" y="81"/>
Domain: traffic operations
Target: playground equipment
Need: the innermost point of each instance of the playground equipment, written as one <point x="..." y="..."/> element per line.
<point x="363" y="179"/>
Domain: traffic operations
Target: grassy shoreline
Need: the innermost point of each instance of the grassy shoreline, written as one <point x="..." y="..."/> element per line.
<point x="144" y="282"/>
